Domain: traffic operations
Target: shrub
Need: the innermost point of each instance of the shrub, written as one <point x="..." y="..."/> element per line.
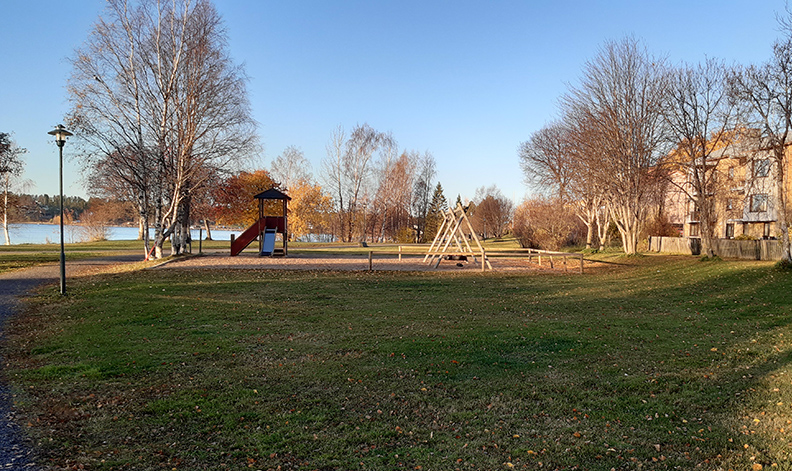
<point x="406" y="235"/>
<point x="544" y="223"/>
<point x="704" y="258"/>
<point x="784" y="265"/>
<point x="93" y="227"/>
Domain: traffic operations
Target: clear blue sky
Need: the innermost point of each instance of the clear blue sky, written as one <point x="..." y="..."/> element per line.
<point x="467" y="81"/>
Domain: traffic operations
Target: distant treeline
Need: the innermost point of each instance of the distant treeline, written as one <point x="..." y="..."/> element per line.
<point x="45" y="208"/>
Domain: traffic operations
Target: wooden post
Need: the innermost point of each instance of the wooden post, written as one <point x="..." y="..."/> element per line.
<point x="581" y="264"/>
<point x="371" y="262"/>
<point x="483" y="257"/>
<point x="400" y="252"/>
<point x="551" y="262"/>
<point x="285" y="229"/>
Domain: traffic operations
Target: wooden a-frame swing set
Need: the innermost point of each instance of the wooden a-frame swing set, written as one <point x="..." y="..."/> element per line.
<point x="451" y="230"/>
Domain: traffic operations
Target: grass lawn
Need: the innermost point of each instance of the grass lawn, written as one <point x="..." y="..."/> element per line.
<point x="100" y="246"/>
<point x="656" y="362"/>
<point x="14" y="261"/>
<point x="28" y="255"/>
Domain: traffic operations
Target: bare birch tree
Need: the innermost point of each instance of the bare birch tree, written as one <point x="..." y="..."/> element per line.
<point x="333" y="171"/>
<point x="11" y="166"/>
<point x="700" y="118"/>
<point x="155" y="88"/>
<point x="363" y="142"/>
<point x="348" y="170"/>
<point x="425" y="173"/>
<point x="290" y="168"/>
<point x="620" y="103"/>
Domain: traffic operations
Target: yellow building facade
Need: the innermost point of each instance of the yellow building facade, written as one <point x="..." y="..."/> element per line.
<point x="744" y="190"/>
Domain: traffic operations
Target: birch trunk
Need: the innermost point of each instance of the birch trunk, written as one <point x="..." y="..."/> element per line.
<point x="782" y="213"/>
<point x="602" y="227"/>
<point x="208" y="229"/>
<point x="5" y="213"/>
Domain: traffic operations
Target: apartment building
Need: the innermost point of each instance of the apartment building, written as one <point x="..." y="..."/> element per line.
<point x="745" y="194"/>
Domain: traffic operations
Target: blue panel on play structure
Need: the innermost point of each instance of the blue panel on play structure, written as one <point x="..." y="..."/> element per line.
<point x="268" y="246"/>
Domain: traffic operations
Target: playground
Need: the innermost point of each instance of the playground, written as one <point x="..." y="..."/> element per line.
<point x="456" y="247"/>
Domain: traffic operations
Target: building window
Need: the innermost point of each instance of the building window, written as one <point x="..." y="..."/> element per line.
<point x="694" y="214"/>
<point x="761" y="168"/>
<point x="729" y="204"/>
<point x="730" y="230"/>
<point x="731" y="173"/>
<point x="694" y="230"/>
<point x="758" y="203"/>
<point x="766" y="230"/>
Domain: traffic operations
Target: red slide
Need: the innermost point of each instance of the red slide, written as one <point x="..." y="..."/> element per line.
<point x="250" y="234"/>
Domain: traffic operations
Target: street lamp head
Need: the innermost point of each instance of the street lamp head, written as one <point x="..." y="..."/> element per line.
<point x="60" y="134"/>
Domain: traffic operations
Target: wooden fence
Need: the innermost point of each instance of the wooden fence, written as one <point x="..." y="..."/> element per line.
<point x="724" y="248"/>
<point x="549" y="256"/>
<point x="552" y="258"/>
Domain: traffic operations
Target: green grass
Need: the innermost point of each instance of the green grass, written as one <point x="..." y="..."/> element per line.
<point x="662" y="362"/>
<point x="14" y="261"/>
<point x="19" y="256"/>
<point x="78" y="246"/>
<point x="104" y="245"/>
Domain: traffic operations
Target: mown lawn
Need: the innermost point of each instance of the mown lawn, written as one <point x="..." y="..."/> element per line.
<point x="15" y="261"/>
<point x="13" y="257"/>
<point x="655" y="362"/>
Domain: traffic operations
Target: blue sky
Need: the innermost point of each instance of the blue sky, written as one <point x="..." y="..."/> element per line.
<point x="467" y="81"/>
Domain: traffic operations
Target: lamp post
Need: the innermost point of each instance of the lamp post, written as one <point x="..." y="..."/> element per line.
<point x="61" y="134"/>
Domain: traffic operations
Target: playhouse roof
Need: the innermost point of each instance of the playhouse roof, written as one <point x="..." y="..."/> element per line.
<point x="272" y="194"/>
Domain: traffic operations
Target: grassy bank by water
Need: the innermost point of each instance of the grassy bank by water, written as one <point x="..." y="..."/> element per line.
<point x="661" y="362"/>
<point x="18" y="256"/>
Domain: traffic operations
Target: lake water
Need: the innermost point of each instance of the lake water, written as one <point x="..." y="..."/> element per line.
<point x="49" y="233"/>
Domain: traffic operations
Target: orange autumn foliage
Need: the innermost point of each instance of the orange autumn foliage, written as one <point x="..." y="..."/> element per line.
<point x="308" y="209"/>
<point x="235" y="202"/>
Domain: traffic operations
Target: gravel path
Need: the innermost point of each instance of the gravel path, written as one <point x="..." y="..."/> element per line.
<point x="16" y="451"/>
<point x="319" y="261"/>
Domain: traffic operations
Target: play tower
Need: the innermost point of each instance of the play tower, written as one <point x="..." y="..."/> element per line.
<point x="267" y="226"/>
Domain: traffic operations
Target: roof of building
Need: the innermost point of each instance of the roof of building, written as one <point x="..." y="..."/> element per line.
<point x="272" y="194"/>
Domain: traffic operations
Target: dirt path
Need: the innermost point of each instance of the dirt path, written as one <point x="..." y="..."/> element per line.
<point x="359" y="262"/>
<point x="16" y="452"/>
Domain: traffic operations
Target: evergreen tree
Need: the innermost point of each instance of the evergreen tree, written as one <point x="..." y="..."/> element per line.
<point x="435" y="215"/>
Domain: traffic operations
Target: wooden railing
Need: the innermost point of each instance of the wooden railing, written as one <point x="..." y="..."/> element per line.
<point x="548" y="255"/>
<point x="540" y="256"/>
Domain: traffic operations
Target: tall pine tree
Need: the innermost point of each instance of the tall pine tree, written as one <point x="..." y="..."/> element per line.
<point x="435" y="215"/>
